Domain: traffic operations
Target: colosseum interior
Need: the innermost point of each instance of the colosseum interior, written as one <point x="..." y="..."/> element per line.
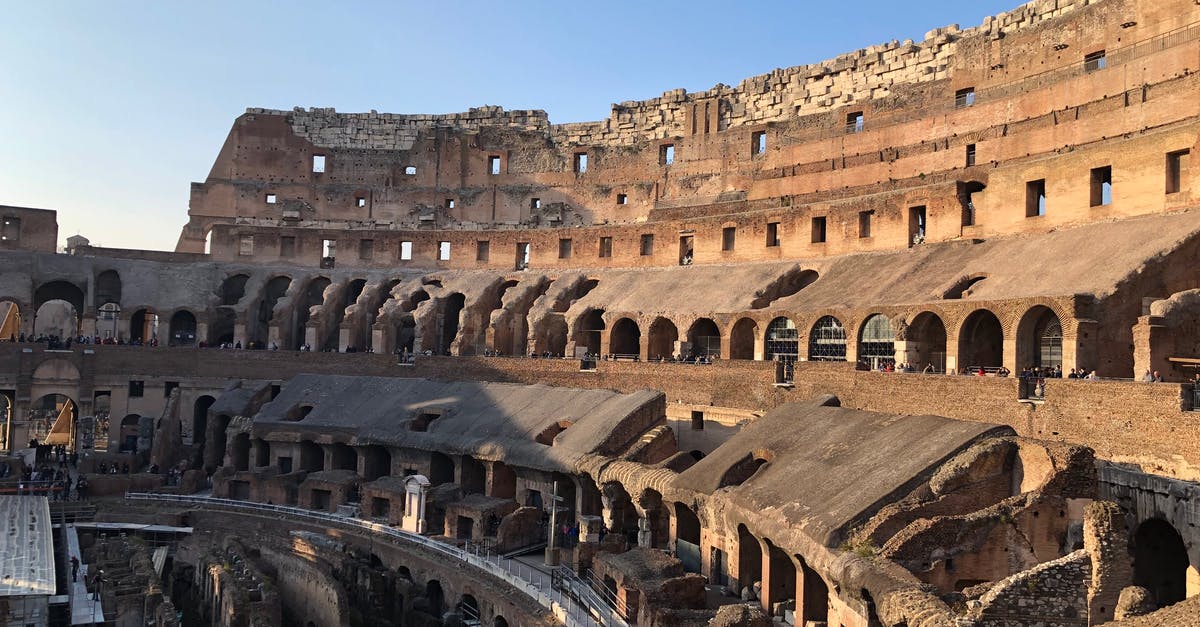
<point x="907" y="337"/>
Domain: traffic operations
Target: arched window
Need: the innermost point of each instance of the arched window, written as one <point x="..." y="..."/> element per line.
<point x="1050" y="341"/>
<point x="783" y="340"/>
<point x="876" y="346"/>
<point x="827" y="342"/>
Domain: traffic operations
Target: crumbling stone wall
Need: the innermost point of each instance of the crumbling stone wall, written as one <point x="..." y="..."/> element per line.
<point x="1053" y="594"/>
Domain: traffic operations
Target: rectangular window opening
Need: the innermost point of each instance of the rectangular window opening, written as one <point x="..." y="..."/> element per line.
<point x="318" y="163"/>
<point x="916" y="225"/>
<point x="328" y="247"/>
<point x="818" y="230"/>
<point x="523" y="250"/>
<point x="360" y="201"/>
<point x="581" y="162"/>
<point x="772" y="234"/>
<point x="964" y="97"/>
<point x="535" y="203"/>
<point x="728" y="238"/>
<point x="483" y="250"/>
<point x="1101" y="186"/>
<point x="606" y="247"/>
<point x="686" y="250"/>
<point x="564" y="248"/>
<point x="406" y="251"/>
<point x="1035" y="198"/>
<point x="622" y="199"/>
<point x="272" y="199"/>
<point x="1177" y="166"/>
<point x="855" y="122"/>
<point x="136" y="389"/>
<point x="168" y="387"/>
<point x="410" y="170"/>
<point x="697" y="420"/>
<point x="864" y="223"/>
<point x="449" y="203"/>
<point x="758" y="143"/>
<point x="970" y="155"/>
<point x="1095" y="61"/>
<point x="647" y="245"/>
<point x="494" y="165"/>
<point x="444" y="251"/>
<point x="666" y="154"/>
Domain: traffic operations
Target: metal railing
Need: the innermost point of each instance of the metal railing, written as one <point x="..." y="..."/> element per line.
<point x="569" y="608"/>
<point x="606" y="594"/>
<point x="1195" y="395"/>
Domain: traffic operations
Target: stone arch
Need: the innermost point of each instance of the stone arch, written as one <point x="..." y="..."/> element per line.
<point x="618" y="512"/>
<point x="10" y="321"/>
<point x="662" y="339"/>
<point x="553" y="336"/>
<point x="981" y="341"/>
<point x="749" y="557"/>
<point x="780" y="584"/>
<point x="782" y="340"/>
<point x="337" y="313"/>
<point x="827" y="340"/>
<point x="233" y="289"/>
<point x="625" y="338"/>
<point x="56" y="370"/>
<point x="658" y="532"/>
<point x="182" y="328"/>
<point x="741" y="338"/>
<point x="218" y="439"/>
<point x="925" y="342"/>
<point x="57" y="318"/>
<point x="876" y="341"/>
<point x="452" y="309"/>
<point x="46" y="411"/>
<point x="107" y="288"/>
<point x="588" y="329"/>
<point x="815" y="593"/>
<point x="130" y="430"/>
<point x="704" y="336"/>
<point x="221" y="329"/>
<point x="1160" y="561"/>
<point x="143" y="326"/>
<point x="59" y="290"/>
<point x="1040" y="338"/>
<point x="436" y="597"/>
<point x="274" y="290"/>
<point x="468" y="608"/>
<point x="313" y="296"/>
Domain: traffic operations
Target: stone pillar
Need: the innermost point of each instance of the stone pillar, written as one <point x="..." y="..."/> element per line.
<point x="201" y="331"/>
<point x="377" y="341"/>
<point x="87" y="324"/>
<point x="415" y="489"/>
<point x="1081" y="348"/>
<point x="646" y="531"/>
<point x="1009" y="359"/>
<point x="1106" y="538"/>
<point x="589" y="528"/>
<point x="1152" y="345"/>
<point x="726" y="344"/>
<point x="764" y="550"/>
<point x="344" y="340"/>
<point x="239" y="332"/>
<point x="760" y="347"/>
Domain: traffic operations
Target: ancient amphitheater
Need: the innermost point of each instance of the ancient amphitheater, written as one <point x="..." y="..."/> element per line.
<point x="905" y="337"/>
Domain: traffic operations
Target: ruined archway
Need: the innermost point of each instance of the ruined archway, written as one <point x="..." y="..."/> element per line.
<point x="233" y="289"/>
<point x="782" y="341"/>
<point x="625" y="339"/>
<point x="449" y="321"/>
<point x="274" y="290"/>
<point x="107" y="288"/>
<point x="57" y="318"/>
<point x="925" y="343"/>
<point x="876" y="342"/>
<point x="182" y="328"/>
<point x="981" y="341"/>
<point x="827" y="340"/>
<point x="588" y="329"/>
<point x="314" y="296"/>
<point x="741" y="339"/>
<point x="221" y="329"/>
<point x="1160" y="561"/>
<point x="780" y="585"/>
<point x="1040" y="339"/>
<point x="704" y="337"/>
<point x="337" y="314"/>
<point x="662" y="339"/>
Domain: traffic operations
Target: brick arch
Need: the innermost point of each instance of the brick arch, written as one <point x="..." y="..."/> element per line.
<point x="1026" y="326"/>
<point x="743" y="335"/>
<point x="983" y="348"/>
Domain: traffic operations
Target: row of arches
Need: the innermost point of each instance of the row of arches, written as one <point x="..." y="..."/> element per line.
<point x="980" y="343"/>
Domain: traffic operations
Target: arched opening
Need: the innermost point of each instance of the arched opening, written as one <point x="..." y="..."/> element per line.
<point x="967" y="191"/>
<point x="183" y="328"/>
<point x="626" y="338"/>
<point x="749" y="558"/>
<point x="233" y="289"/>
<point x="876" y="342"/>
<point x="981" y="341"/>
<point x="435" y="597"/>
<point x="107" y="318"/>
<point x="468" y="608"/>
<point x="441" y="468"/>
<point x="588" y="328"/>
<point x="337" y="314"/>
<point x="619" y="515"/>
<point x="659" y="518"/>
<point x="1160" y="561"/>
<point x="963" y="287"/>
<point x="741" y="339"/>
<point x="62" y="317"/>
<point x="343" y="457"/>
<point x="377" y="462"/>
<point x="10" y="321"/>
<point x="504" y="481"/>
<point x="781" y="579"/>
<point x="687" y="537"/>
<point x="816" y="594"/>
<point x="364" y="336"/>
<point x="499" y="622"/>
<point x="662" y="339"/>
<point x="108" y="288"/>
<point x="1040" y="339"/>
<point x="143" y="326"/>
<point x="214" y="454"/>
<point x="474" y="475"/>
<point x="314" y="296"/>
<point x="925" y="346"/>
<point x="741" y="471"/>
<point x="553" y="338"/>
<point x="57" y="319"/>
<point x="705" y="338"/>
<point x="239" y="452"/>
<point x="101" y="406"/>
<point x="53" y="413"/>
<point x="782" y="341"/>
<point x="450" y="321"/>
<point x="789" y="284"/>
<point x="276" y="288"/>
<point x="220" y="331"/>
<point x="130" y="430"/>
<point x="827" y="340"/>
<point x="312" y="457"/>
<point x="200" y="423"/>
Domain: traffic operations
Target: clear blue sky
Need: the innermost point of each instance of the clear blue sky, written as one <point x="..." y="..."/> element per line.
<point x="108" y="110"/>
